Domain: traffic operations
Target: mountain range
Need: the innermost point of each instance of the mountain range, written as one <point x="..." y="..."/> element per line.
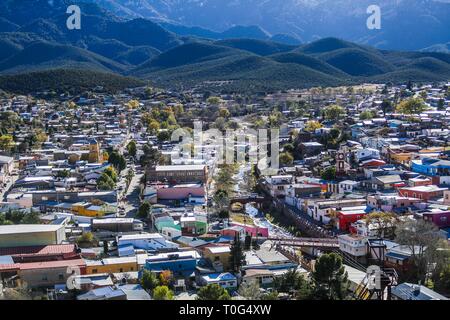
<point x="405" y="24"/>
<point x="34" y="38"/>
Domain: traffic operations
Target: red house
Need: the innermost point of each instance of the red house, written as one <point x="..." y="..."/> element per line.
<point x="347" y="216"/>
<point x="425" y="193"/>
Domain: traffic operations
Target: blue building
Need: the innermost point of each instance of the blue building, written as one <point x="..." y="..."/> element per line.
<point x="180" y="263"/>
<point x="431" y="167"/>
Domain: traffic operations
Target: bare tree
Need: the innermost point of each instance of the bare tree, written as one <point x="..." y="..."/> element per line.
<point x="422" y="238"/>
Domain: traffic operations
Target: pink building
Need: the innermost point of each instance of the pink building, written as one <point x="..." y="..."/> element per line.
<point x="181" y="192"/>
<point x="253" y="230"/>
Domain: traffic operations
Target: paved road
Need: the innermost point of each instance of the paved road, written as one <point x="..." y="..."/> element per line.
<point x="129" y="199"/>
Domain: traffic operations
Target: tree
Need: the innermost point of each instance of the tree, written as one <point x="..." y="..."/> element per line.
<point x="105" y="247"/>
<point x="221" y="199"/>
<point x="224" y="113"/>
<point x="166" y="278"/>
<point x="162" y="293"/>
<point x="133" y="104"/>
<point x="293" y="282"/>
<point x="250" y="290"/>
<point x="149" y="280"/>
<point x="286" y="159"/>
<point x="31" y="218"/>
<point x="237" y="257"/>
<point x="329" y="174"/>
<point x="247" y="242"/>
<point x="117" y="160"/>
<point x="422" y="239"/>
<point x="214" y="101"/>
<point x="153" y="126"/>
<point x="132" y="148"/>
<point x="151" y="156"/>
<point x="330" y="278"/>
<point x="334" y="112"/>
<point x="6" y="142"/>
<point x="383" y="221"/>
<point x="163" y="136"/>
<point x="213" y="292"/>
<point x="144" y="210"/>
<point x="441" y="104"/>
<point x="105" y="182"/>
<point x="442" y="281"/>
<point x="111" y="172"/>
<point x="366" y="115"/>
<point x="87" y="240"/>
<point x="386" y="106"/>
<point x="312" y="126"/>
<point x="411" y="106"/>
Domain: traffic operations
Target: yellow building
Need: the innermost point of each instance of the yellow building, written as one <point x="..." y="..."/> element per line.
<point x="95" y="155"/>
<point x="401" y="157"/>
<point x="219" y="255"/>
<point x="112" y="265"/>
<point x="88" y="209"/>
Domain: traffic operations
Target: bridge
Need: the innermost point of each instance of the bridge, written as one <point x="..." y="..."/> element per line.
<point x="252" y="198"/>
<point x="318" y="243"/>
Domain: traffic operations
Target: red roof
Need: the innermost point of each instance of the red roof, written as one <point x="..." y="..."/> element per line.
<point x="55" y="249"/>
<point x="9" y="267"/>
<point x="52" y="264"/>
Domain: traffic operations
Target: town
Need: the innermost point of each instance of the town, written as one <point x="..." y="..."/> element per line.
<point x="99" y="202"/>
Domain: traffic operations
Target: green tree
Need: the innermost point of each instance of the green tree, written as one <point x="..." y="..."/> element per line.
<point x="31" y="218"/>
<point x="144" y="210"/>
<point x="87" y="240"/>
<point x="312" y="126"/>
<point x="286" y="159"/>
<point x="329" y="174"/>
<point x="366" y="115"/>
<point x="412" y="106"/>
<point x="330" y="278"/>
<point x="221" y="199"/>
<point x="294" y="282"/>
<point x="250" y="290"/>
<point x="149" y="280"/>
<point x="441" y="104"/>
<point x="386" y="106"/>
<point x="6" y="143"/>
<point x="132" y="148"/>
<point x="237" y="256"/>
<point x="105" y="182"/>
<point x="162" y="293"/>
<point x="213" y="292"/>
<point x="163" y="135"/>
<point x="334" y="112"/>
<point x="214" y="101"/>
<point x="117" y="160"/>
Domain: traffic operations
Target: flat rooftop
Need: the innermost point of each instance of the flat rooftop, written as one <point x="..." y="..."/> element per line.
<point x="29" y="228"/>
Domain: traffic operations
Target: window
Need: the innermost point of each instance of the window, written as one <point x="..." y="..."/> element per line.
<point x="44" y="198"/>
<point x="94" y="271"/>
<point x="60" y="276"/>
<point x="44" y="278"/>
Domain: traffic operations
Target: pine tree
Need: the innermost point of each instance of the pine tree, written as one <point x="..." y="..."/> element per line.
<point x="237" y="257"/>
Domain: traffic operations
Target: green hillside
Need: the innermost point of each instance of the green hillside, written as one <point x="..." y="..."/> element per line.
<point x="70" y="80"/>
<point x="44" y="55"/>
<point x="259" y="47"/>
